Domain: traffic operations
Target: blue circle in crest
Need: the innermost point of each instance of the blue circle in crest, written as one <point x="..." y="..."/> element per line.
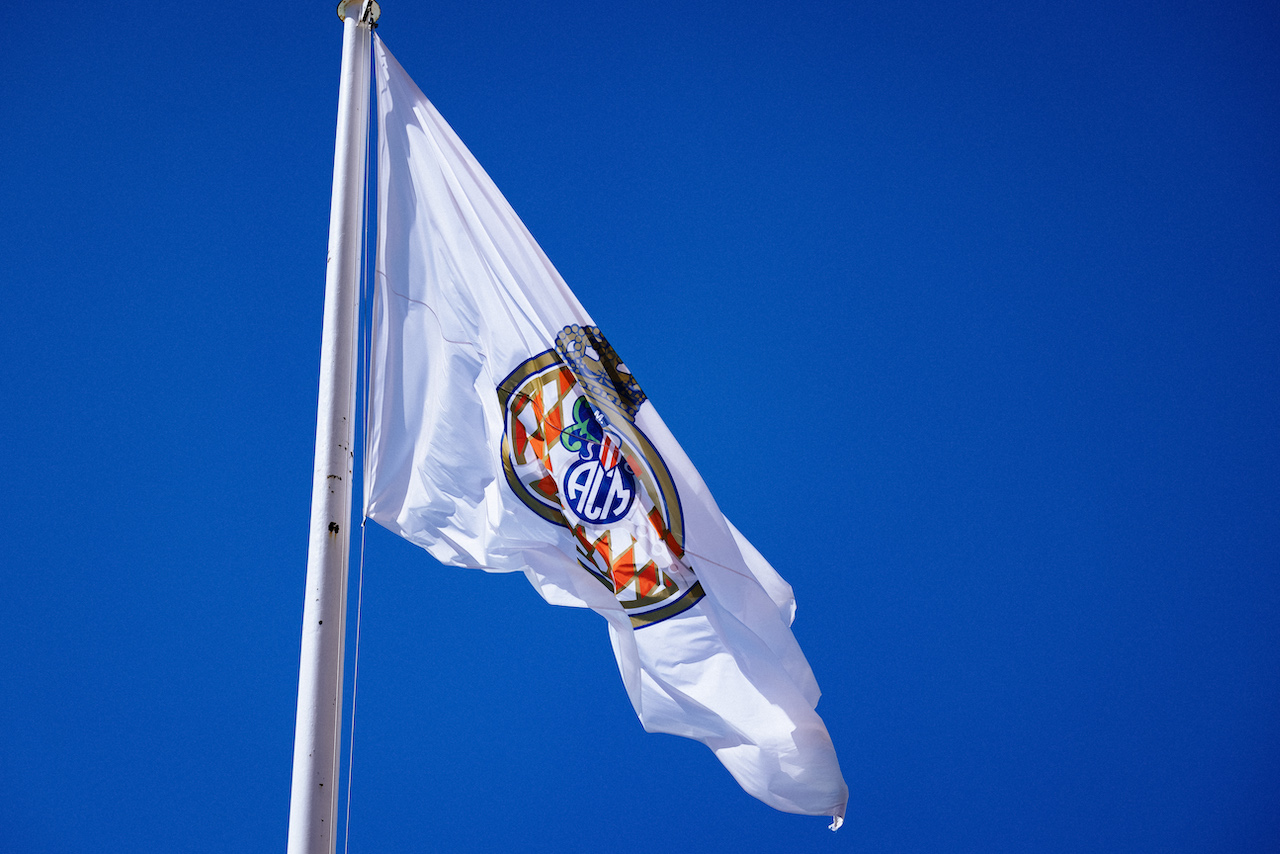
<point x="598" y="495"/>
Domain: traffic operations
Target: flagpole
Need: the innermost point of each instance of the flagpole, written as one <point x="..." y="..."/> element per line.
<point x="314" y="797"/>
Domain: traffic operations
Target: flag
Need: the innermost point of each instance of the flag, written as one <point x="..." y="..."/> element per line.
<point x="505" y="433"/>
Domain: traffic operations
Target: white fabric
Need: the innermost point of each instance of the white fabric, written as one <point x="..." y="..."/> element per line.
<point x="464" y="297"/>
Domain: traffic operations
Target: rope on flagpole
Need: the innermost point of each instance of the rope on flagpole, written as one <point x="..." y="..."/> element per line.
<point x="355" y="681"/>
<point x="363" y="392"/>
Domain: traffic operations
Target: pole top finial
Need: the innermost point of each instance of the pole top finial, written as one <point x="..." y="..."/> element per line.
<point x="366" y="11"/>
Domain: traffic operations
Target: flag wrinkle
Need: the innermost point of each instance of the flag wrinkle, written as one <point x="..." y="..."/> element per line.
<point x="489" y="250"/>
<point x="461" y="342"/>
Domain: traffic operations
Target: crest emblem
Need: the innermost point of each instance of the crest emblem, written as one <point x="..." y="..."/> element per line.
<point x="573" y="454"/>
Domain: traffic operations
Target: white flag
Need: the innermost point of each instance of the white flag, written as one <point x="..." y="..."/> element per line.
<point x="506" y="434"/>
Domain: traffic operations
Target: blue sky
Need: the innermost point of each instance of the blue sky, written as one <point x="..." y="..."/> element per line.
<point x="969" y="314"/>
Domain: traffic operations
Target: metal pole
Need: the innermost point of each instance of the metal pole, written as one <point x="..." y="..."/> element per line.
<point x="314" y="799"/>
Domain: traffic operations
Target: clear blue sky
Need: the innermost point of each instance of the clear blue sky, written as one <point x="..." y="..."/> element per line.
<point x="969" y="314"/>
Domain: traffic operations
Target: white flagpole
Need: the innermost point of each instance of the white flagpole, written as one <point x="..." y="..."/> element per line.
<point x="314" y="799"/>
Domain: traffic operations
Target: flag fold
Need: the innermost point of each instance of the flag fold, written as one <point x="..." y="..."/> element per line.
<point x="505" y="433"/>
